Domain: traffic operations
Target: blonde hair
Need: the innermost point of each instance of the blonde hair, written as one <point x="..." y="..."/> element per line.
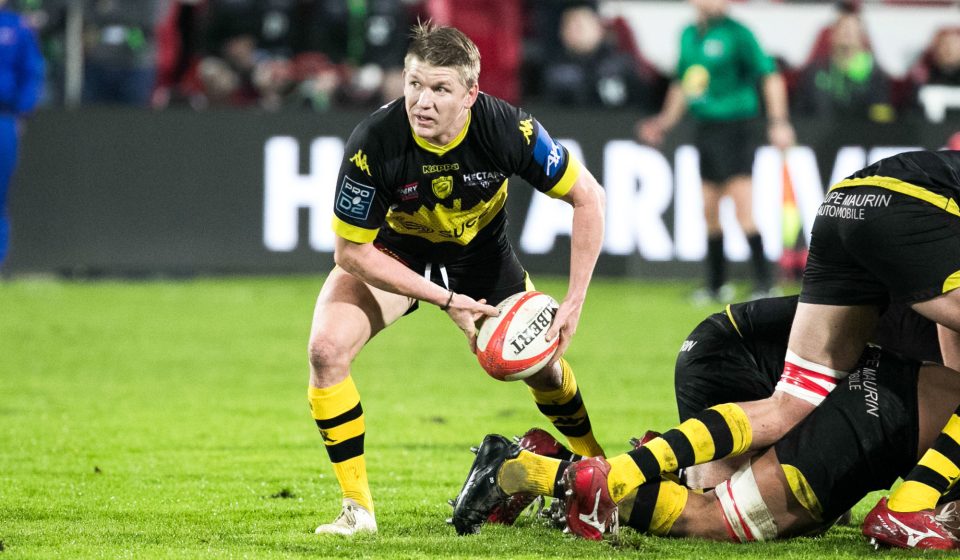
<point x="445" y="46"/>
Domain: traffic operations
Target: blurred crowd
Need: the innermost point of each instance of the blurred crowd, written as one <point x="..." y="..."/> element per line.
<point x="327" y="54"/>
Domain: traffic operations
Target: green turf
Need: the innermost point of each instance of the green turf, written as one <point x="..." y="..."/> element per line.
<point x="169" y="420"/>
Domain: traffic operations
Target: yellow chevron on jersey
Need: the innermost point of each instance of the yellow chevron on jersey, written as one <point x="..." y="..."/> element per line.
<point x="448" y="224"/>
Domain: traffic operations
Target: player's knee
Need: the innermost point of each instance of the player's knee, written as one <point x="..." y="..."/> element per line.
<point x="549" y="378"/>
<point x="326" y="352"/>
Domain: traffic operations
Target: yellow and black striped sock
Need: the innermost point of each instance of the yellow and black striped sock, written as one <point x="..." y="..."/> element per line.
<point x="530" y="473"/>
<point x="339" y="417"/>
<point x="717" y="432"/>
<point x="565" y="409"/>
<point x="654" y="508"/>
<point x="933" y="476"/>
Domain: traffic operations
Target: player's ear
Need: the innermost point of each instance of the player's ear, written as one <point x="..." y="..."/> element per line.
<point x="472" y="93"/>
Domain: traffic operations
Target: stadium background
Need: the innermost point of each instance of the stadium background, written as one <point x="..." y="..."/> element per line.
<point x="121" y="191"/>
<point x="159" y="411"/>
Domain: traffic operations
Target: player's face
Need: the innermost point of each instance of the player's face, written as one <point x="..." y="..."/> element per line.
<point x="437" y="101"/>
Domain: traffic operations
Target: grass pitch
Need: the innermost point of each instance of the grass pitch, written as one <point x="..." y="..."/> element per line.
<point x="169" y="420"/>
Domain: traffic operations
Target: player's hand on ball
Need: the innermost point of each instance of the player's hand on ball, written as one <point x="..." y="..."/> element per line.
<point x="465" y="312"/>
<point x="565" y="324"/>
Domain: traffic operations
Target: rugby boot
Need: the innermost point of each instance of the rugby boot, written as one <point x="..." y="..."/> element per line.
<point x="637" y="443"/>
<point x="481" y="494"/>
<point x="542" y="443"/>
<point x="353" y="519"/>
<point x="897" y="529"/>
<point x="590" y="511"/>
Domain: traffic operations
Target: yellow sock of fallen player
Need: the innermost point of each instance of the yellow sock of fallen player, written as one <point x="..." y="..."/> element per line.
<point x="529" y="473"/>
<point x="717" y="432"/>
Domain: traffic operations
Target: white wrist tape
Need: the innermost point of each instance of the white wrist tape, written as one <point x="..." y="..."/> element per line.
<point x="748" y="517"/>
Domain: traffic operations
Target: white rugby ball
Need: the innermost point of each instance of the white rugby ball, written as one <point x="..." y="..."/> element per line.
<point x="513" y="345"/>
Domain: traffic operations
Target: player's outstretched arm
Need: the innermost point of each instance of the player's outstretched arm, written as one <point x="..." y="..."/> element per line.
<point x="588" y="201"/>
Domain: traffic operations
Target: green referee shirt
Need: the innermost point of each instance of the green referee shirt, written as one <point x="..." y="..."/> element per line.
<point x="719" y="69"/>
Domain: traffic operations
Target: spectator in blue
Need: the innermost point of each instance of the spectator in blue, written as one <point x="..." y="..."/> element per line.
<point x="21" y="77"/>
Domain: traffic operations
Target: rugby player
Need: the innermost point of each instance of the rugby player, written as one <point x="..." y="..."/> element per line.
<point x="419" y="216"/>
<point x="890" y="231"/>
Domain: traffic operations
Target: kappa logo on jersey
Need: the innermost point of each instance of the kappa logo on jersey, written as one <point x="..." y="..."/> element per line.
<point x="440" y="168"/>
<point x="547" y="153"/>
<point x="355" y="199"/>
<point x="360" y="160"/>
<point x="442" y="186"/>
<point x="526" y="127"/>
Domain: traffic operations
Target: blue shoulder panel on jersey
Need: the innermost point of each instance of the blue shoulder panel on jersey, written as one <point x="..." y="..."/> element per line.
<point x="547" y="153"/>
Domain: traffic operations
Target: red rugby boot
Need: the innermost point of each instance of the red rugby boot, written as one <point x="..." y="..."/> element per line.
<point x="905" y="529"/>
<point x="637" y="443"/>
<point x="590" y="510"/>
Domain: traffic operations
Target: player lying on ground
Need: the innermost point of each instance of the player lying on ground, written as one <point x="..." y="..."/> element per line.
<point x="867" y="433"/>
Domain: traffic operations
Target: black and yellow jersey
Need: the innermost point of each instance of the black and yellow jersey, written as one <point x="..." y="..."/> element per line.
<point x="927" y="175"/>
<point x="442" y="203"/>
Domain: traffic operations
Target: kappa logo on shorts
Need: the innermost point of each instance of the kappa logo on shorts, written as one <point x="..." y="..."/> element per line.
<point x="355" y="199"/>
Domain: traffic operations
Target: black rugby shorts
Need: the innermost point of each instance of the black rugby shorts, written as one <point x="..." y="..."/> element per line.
<point x="871" y="245"/>
<point x="726" y="148"/>
<point x="714" y="367"/>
